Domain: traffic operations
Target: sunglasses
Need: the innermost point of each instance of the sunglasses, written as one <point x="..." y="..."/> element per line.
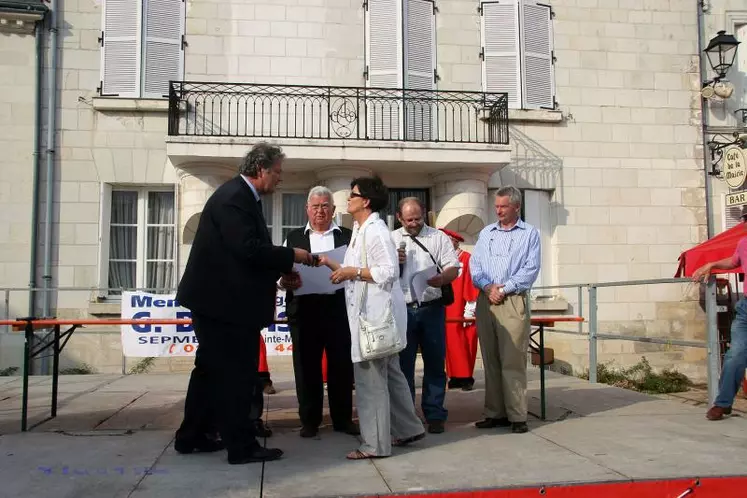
<point x="355" y="194"/>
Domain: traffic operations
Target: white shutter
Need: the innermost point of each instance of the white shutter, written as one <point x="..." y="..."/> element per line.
<point x="730" y="216"/>
<point x="420" y="68"/>
<point x="120" y="53"/>
<point x="164" y="27"/>
<point x="384" y="68"/>
<point x="537" y="55"/>
<point x="500" y="41"/>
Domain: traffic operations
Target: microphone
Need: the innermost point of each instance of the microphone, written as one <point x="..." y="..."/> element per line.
<point x="401" y="265"/>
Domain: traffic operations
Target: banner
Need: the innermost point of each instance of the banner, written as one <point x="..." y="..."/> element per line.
<point x="180" y="340"/>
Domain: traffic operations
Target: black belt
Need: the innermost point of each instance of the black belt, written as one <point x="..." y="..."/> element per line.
<point x="416" y="305"/>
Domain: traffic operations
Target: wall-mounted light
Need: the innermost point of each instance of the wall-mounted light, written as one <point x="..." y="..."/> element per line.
<point x="721" y="51"/>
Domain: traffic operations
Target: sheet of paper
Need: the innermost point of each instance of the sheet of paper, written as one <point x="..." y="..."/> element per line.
<point x="419" y="282"/>
<point x="315" y="280"/>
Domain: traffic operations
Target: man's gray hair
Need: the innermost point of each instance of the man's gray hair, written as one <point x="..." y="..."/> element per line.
<point x="261" y="156"/>
<point x="513" y="194"/>
<point x="321" y="191"/>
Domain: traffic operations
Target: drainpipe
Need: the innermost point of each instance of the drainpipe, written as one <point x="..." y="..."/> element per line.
<point x="37" y="163"/>
<point x="714" y="354"/>
<point x="51" y="156"/>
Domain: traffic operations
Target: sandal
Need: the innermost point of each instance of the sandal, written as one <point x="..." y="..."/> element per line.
<point x="408" y="440"/>
<point x="359" y="455"/>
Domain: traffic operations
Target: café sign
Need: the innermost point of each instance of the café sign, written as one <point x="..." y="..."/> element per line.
<point x="735" y="167"/>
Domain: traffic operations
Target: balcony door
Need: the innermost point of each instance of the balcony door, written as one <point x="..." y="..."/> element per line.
<point x="400" y="70"/>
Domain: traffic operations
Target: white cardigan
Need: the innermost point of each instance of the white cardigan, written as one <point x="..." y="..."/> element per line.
<point x="384" y="266"/>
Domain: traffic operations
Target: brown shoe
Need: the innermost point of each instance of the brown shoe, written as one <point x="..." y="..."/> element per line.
<point x="269" y="388"/>
<point x="718" y="412"/>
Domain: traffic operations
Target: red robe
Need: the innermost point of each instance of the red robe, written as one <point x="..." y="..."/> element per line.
<point x="263" y="367"/>
<point x="461" y="341"/>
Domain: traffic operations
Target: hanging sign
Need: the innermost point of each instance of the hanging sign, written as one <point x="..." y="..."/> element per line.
<point x="735" y="167"/>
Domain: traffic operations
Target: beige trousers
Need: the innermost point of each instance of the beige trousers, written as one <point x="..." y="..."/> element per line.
<point x="503" y="331"/>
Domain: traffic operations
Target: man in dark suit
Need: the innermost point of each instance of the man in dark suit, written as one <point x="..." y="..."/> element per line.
<point x="319" y="322"/>
<point x="229" y="284"/>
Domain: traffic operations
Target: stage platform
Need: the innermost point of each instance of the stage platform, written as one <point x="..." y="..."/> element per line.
<point x="113" y="437"/>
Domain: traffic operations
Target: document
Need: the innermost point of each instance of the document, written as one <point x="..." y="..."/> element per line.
<point x="315" y="279"/>
<point x="419" y="282"/>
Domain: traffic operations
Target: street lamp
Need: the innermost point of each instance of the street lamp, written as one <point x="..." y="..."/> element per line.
<point x="721" y="51"/>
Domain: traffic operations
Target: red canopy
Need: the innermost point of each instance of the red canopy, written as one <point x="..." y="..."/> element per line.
<point x="719" y="247"/>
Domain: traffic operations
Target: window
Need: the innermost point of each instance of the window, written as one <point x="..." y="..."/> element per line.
<point x="517" y="52"/>
<point x="138" y="239"/>
<point x="738" y="74"/>
<point x="287" y="207"/>
<point x="400" y="53"/>
<point x="537" y="211"/>
<point x="142" y="47"/>
<point x="397" y="194"/>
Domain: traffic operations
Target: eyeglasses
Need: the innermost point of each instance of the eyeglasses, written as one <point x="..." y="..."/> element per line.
<point x="355" y="194"/>
<point x="320" y="207"/>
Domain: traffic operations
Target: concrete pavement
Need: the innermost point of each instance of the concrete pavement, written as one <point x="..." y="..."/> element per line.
<point x="113" y="437"/>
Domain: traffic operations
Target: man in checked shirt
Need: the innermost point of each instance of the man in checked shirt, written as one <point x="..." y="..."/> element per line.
<point x="504" y="265"/>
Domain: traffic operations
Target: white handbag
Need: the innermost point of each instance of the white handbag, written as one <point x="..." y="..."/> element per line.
<point x="378" y="338"/>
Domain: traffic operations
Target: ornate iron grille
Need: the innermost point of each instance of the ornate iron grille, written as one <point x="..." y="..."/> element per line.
<point x="316" y="112"/>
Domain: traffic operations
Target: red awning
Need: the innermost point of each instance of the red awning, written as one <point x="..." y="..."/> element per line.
<point x="719" y="247"/>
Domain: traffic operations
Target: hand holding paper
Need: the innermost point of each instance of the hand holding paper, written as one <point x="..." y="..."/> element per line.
<point x="315" y="279"/>
<point x="419" y="283"/>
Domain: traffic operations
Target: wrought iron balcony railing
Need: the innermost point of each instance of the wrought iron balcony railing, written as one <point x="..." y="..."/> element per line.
<point x="314" y="112"/>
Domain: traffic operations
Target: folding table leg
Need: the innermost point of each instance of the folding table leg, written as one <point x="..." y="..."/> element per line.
<point x="29" y="335"/>
<point x="542" y="370"/>
<point x="55" y="368"/>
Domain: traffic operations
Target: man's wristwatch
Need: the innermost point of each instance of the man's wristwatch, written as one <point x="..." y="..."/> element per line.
<point x="358" y="275"/>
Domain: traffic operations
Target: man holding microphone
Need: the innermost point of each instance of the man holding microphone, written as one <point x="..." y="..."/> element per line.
<point x="420" y="247"/>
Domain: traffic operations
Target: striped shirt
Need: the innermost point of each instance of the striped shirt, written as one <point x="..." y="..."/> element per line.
<point x="509" y="257"/>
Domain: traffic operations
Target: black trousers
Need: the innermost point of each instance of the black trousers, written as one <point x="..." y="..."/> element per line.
<point x="320" y="323"/>
<point x="225" y="391"/>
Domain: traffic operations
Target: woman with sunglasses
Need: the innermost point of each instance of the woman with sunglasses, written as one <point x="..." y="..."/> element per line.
<point x="385" y="408"/>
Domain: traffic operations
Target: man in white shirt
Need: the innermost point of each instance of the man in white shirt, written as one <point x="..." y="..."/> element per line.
<point x="421" y="247"/>
<point x="319" y="323"/>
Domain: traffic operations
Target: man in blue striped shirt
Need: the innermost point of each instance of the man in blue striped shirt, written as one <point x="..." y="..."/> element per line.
<point x="504" y="265"/>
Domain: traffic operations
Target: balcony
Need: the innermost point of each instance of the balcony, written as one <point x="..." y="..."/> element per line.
<point x="325" y="126"/>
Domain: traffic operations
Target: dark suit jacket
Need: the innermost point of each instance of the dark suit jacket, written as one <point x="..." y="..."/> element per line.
<point x="233" y="267"/>
<point x="298" y="238"/>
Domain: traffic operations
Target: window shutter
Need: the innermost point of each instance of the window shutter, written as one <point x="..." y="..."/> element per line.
<point x="120" y="48"/>
<point x="164" y="53"/>
<point x="537" y="55"/>
<point x="500" y="39"/>
<point x="730" y="216"/>
<point x="420" y="68"/>
<point x="384" y="68"/>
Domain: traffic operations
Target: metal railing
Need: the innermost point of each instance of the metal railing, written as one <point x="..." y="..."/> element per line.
<point x="332" y="112"/>
<point x="592" y="332"/>
<point x="587" y="307"/>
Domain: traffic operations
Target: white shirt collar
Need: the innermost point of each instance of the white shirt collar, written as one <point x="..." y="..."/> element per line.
<point x="332" y="227"/>
<point x="254" y="190"/>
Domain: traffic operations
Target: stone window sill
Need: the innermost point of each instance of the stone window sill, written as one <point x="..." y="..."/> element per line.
<point x="535" y="115"/>
<point x="105" y="308"/>
<point x="141" y="105"/>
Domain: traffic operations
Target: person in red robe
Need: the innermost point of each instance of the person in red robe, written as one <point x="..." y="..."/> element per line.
<point x="461" y="337"/>
<point x="264" y="368"/>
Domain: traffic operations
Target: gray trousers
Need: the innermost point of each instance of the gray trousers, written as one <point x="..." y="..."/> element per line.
<point x="384" y="403"/>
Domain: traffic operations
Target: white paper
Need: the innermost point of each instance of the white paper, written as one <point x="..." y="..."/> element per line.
<point x="315" y="279"/>
<point x="419" y="282"/>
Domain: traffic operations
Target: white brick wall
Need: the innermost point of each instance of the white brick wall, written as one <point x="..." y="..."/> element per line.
<point x="628" y="192"/>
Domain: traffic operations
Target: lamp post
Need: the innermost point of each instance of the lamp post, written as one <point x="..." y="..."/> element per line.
<point x="720" y="51"/>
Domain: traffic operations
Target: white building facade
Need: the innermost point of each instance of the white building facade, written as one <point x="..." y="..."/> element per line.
<point x="592" y="107"/>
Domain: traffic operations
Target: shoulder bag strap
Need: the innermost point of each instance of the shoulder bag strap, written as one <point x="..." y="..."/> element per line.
<point x="364" y="262"/>
<point x="427" y="251"/>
